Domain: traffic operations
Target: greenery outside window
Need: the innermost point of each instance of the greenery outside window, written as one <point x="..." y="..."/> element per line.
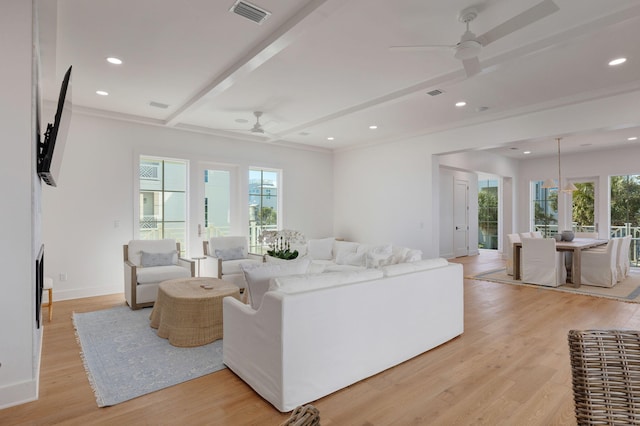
<point x="488" y="214"/>
<point x="625" y="211"/>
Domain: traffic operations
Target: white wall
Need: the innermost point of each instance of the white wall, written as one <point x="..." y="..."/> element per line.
<point x="382" y="193"/>
<point x="96" y="191"/>
<point x="19" y="239"/>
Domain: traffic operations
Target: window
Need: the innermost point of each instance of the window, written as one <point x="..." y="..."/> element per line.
<point x="544" y="208"/>
<point x="488" y="213"/>
<point x="625" y="211"/>
<point x="264" y="205"/>
<point x="163" y="199"/>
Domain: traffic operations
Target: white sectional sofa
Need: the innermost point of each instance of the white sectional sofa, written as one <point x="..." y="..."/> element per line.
<point x="314" y="334"/>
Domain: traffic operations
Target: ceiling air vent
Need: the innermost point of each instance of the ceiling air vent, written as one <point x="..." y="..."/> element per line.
<point x="250" y="11"/>
<point x="435" y="92"/>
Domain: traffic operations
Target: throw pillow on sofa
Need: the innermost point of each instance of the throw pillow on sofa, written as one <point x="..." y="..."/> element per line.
<point x="345" y="257"/>
<point x="259" y="275"/>
<point x="377" y="256"/>
<point x="321" y="249"/>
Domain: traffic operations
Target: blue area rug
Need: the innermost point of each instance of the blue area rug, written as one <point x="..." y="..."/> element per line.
<point x="124" y="358"/>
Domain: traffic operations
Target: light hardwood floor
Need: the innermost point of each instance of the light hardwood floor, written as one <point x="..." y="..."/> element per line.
<point x="510" y="367"/>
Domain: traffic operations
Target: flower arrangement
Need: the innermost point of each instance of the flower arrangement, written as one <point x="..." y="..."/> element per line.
<point x="279" y="243"/>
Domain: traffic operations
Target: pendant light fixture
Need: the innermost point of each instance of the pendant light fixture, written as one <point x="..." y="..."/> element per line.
<point x="549" y="183"/>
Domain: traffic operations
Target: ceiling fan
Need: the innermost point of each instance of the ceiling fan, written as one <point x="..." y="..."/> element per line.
<point x="257" y="126"/>
<point x="470" y="45"/>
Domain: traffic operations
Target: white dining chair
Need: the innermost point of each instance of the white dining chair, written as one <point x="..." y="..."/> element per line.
<point x="511" y="238"/>
<point x="622" y="259"/>
<point x="541" y="263"/>
<point x="599" y="267"/>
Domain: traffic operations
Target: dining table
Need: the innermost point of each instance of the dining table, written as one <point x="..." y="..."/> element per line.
<point x="574" y="246"/>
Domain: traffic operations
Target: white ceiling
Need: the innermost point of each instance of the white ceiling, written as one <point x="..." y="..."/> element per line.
<point x="320" y="68"/>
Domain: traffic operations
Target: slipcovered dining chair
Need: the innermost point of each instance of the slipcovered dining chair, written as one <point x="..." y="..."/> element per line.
<point x="541" y="263"/>
<point x="605" y="376"/>
<point x="599" y="266"/>
<point x="511" y="238"/>
<point x="623" y="265"/>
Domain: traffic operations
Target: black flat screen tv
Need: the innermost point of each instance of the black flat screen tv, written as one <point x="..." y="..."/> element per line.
<point x="51" y="148"/>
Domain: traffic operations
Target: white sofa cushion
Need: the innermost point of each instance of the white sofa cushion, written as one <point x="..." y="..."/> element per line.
<point x="407" y="268"/>
<point x="258" y="276"/>
<point x="321" y="249"/>
<point x="377" y="256"/>
<point x="345" y="257"/>
<point x="161" y="273"/>
<point x="298" y="283"/>
<point x="135" y="248"/>
<point x="413" y="255"/>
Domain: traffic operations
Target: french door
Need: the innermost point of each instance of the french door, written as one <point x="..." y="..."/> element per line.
<point x="217" y="209"/>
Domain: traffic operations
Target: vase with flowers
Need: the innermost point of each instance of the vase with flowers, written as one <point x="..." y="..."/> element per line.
<point x="279" y="243"/>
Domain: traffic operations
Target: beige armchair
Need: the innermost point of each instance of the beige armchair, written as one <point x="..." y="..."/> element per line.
<point x="224" y="256"/>
<point x="146" y="264"/>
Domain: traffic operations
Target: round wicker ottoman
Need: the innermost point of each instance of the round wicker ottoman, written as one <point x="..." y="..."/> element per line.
<point x="188" y="311"/>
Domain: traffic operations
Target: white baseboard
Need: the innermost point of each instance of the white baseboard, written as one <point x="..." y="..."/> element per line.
<point x="19" y="393"/>
<point x="79" y="293"/>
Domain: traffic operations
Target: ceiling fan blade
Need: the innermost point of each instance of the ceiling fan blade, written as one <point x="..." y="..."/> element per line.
<point x="421" y="48"/>
<point x="529" y="16"/>
<point x="472" y="66"/>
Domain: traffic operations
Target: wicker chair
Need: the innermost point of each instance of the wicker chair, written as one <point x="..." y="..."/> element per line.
<point x="304" y="415"/>
<point x="605" y="367"/>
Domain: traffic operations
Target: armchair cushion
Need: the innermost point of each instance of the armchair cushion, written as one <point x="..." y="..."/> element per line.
<point x="233" y="253"/>
<point x="233" y="266"/>
<point x="151" y="246"/>
<point x="161" y="273"/>
<point x="158" y="259"/>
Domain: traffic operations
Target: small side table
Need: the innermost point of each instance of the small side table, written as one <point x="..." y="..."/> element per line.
<point x="198" y="259"/>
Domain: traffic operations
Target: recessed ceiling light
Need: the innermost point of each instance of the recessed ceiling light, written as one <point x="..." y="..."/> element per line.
<point x="114" y="60"/>
<point x="617" y="61"/>
<point x="373" y="127"/>
<point x="102" y="93"/>
<point x="632" y="138"/>
<point x="330" y="138"/>
<point x="460" y="104"/>
<point x="526" y="152"/>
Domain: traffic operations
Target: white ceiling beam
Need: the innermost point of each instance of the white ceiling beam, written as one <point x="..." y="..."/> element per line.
<point x="307" y="17"/>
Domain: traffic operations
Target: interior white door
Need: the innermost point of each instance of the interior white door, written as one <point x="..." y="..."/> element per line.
<point x="461" y="218"/>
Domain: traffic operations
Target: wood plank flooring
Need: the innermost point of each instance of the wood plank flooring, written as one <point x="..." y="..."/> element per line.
<point x="510" y="367"/>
